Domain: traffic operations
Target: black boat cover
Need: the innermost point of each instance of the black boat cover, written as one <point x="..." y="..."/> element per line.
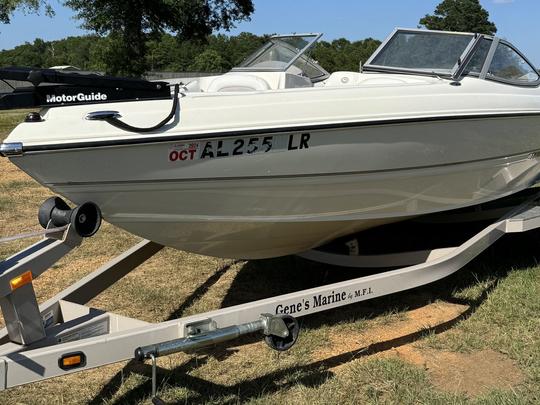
<point x="48" y="87"/>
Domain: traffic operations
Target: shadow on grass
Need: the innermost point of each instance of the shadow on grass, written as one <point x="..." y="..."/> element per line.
<point x="200" y="291"/>
<point x="267" y="278"/>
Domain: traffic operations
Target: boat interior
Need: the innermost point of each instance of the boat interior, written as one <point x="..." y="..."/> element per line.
<point x="407" y="57"/>
<point x="285" y="63"/>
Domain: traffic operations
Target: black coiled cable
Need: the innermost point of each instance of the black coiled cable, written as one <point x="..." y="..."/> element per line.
<point x="126" y="127"/>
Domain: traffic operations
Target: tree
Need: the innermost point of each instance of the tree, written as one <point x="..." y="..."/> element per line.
<point x="8" y="7"/>
<point x="460" y="15"/>
<point x="234" y="50"/>
<point x="341" y="54"/>
<point x="130" y="23"/>
<point x="208" y="61"/>
<point x="167" y="52"/>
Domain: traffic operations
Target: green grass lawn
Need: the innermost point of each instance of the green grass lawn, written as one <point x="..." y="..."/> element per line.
<point x="471" y="338"/>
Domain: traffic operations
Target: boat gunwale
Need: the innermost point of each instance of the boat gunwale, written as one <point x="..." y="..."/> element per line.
<point x="272" y="130"/>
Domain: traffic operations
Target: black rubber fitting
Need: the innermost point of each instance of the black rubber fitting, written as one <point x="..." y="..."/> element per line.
<point x="33" y="117"/>
<point x="85" y="219"/>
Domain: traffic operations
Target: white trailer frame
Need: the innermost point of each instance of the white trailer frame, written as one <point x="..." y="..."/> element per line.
<point x="38" y="337"/>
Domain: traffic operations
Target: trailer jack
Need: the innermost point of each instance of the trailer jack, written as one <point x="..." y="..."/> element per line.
<point x="280" y="331"/>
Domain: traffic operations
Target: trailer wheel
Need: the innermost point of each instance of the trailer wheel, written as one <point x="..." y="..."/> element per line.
<point x="282" y="344"/>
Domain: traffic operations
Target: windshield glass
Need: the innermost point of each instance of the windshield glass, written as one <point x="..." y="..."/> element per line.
<point x="286" y="54"/>
<point x="507" y="64"/>
<point x="477" y="61"/>
<point x="422" y="51"/>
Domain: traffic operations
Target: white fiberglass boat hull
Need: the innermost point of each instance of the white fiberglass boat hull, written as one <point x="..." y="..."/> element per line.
<point x="294" y="198"/>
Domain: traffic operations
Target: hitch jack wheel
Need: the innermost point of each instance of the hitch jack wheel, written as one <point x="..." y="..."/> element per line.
<point x="280" y="343"/>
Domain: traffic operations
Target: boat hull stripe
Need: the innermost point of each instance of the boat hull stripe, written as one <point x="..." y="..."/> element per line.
<point x="248" y="132"/>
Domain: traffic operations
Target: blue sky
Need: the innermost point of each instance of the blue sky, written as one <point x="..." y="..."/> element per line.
<point x="517" y="20"/>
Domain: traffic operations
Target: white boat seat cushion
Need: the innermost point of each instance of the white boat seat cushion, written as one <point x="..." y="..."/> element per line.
<point x="238" y="82"/>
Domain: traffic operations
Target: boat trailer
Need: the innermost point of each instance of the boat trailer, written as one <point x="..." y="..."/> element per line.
<point x="63" y="335"/>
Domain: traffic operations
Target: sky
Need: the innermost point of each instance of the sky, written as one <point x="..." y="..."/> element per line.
<point x="517" y="20"/>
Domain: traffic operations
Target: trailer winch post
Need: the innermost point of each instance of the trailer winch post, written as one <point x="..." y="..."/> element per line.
<point x="17" y="296"/>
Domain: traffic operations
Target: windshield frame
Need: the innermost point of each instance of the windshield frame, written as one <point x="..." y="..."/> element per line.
<point x="298" y="54"/>
<point x="484" y="75"/>
<point x="453" y="73"/>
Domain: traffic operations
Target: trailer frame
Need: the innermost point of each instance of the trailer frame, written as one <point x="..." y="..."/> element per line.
<point x="63" y="335"/>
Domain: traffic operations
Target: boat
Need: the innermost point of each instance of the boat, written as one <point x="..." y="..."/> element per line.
<point x="278" y="156"/>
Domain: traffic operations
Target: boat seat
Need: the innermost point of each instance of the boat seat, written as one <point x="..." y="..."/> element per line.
<point x="237" y="82"/>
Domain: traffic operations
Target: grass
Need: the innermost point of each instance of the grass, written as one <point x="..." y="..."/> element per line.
<point x="9" y="120"/>
<point x="400" y="349"/>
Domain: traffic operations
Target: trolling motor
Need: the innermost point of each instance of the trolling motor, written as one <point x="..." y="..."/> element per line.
<point x="85" y="218"/>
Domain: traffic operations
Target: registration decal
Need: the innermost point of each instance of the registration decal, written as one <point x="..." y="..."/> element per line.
<point x="183" y="151"/>
<point x="230" y="147"/>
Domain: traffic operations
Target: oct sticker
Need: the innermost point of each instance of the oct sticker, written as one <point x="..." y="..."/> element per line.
<point x="183" y="152"/>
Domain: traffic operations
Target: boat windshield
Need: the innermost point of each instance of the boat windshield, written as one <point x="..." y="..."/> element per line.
<point x="286" y="53"/>
<point x="422" y="51"/>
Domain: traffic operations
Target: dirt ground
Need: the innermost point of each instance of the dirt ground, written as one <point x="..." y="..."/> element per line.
<point x="468" y="373"/>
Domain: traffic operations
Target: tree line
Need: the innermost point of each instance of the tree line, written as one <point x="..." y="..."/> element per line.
<point x="134" y="36"/>
<point x="216" y="53"/>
